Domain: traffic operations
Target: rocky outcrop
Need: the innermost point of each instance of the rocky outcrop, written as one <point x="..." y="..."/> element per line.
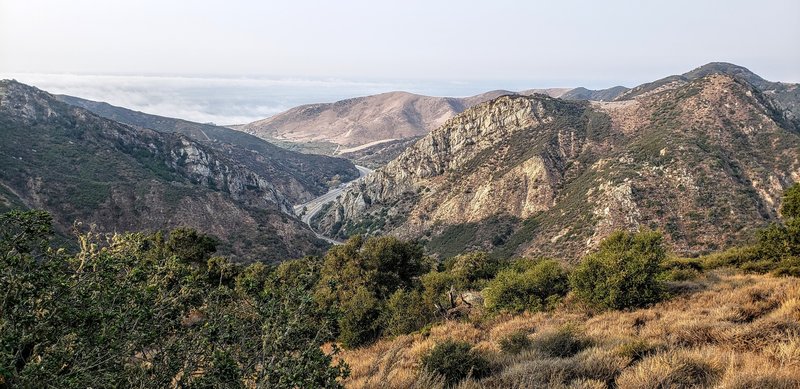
<point x="705" y="162"/>
<point x="294" y="176"/>
<point x="84" y="168"/>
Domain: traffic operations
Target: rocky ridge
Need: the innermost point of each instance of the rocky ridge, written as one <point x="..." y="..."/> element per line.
<point x="297" y="177"/>
<point x="81" y="167"/>
<point x="705" y="161"/>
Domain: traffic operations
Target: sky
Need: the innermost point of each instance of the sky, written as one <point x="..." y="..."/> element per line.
<point x="270" y="55"/>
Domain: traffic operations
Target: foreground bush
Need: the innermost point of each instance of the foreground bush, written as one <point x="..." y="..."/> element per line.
<point x="472" y="270"/>
<point x="405" y="313"/>
<point x="455" y="361"/>
<point x="359" y="277"/>
<point x="623" y="273"/>
<point x="533" y="287"/>
<point x="139" y="310"/>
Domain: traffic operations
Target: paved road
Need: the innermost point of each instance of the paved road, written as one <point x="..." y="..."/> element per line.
<point x="314" y="206"/>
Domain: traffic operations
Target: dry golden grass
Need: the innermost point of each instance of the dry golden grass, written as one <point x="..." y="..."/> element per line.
<point x="731" y="331"/>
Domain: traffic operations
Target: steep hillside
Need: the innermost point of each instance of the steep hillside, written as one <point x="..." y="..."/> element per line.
<point x="786" y="94"/>
<point x="298" y="176"/>
<point x="706" y="162"/>
<point x="81" y="167"/>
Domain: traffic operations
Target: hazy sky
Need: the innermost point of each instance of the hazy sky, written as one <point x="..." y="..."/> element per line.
<point x="234" y="61"/>
<point x="592" y="43"/>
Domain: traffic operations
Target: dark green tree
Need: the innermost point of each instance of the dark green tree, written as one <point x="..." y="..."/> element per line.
<point x="533" y="286"/>
<point x="623" y="272"/>
<point x="406" y="312"/>
<point x="358" y="277"/>
<point x="191" y="246"/>
<point x="791" y="202"/>
<point x="125" y="311"/>
<point x="472" y="270"/>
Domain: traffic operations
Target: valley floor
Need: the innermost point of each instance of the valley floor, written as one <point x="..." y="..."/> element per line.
<point x="723" y="330"/>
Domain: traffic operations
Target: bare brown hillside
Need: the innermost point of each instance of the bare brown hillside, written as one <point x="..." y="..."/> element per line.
<point x="361" y="120"/>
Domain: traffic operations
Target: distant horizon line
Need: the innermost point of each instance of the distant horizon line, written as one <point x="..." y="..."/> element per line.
<point x="377" y="81"/>
<point x="399" y="84"/>
<point x="243" y="98"/>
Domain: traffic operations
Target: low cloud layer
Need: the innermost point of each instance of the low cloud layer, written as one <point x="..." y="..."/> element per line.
<point x="213" y="99"/>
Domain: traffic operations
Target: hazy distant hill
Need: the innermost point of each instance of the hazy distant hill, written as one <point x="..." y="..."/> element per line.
<point x="81" y="167"/>
<point x="786" y="94"/>
<point x="298" y="176"/>
<point x="582" y="93"/>
<point x="705" y="161"/>
<point x="399" y="115"/>
<point x="361" y="120"/>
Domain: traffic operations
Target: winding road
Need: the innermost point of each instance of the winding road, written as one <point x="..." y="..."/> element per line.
<point x="315" y="205"/>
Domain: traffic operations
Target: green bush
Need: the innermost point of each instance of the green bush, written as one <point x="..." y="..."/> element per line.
<point x="790" y="208"/>
<point x="760" y="266"/>
<point x="788" y="267"/>
<point x="405" y="312"/>
<point x="516" y="342"/>
<point x="358" y="321"/>
<point x="779" y="241"/>
<point x="681" y="269"/>
<point x="776" y="245"/>
<point x="85" y="319"/>
<point x="734" y="257"/>
<point x="534" y="289"/>
<point x="623" y="273"/>
<point x="455" y="361"/>
<point x="435" y="286"/>
<point x="190" y="245"/>
<point x="563" y="342"/>
<point x="357" y="278"/>
<point x="470" y="270"/>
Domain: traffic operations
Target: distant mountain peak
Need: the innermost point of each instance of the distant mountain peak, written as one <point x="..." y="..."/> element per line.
<point x="728" y="69"/>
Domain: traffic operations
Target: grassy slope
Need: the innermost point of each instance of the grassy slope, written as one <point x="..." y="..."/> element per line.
<point x="724" y="330"/>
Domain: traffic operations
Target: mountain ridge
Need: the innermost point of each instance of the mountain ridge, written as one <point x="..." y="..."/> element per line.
<point x="397" y="115"/>
<point x="578" y="170"/>
<point x="300" y="176"/>
<point x="82" y="167"/>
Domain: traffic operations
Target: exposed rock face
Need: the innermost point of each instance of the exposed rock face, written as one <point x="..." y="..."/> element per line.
<point x="706" y="162"/>
<point x="297" y="177"/>
<point x="81" y="167"/>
